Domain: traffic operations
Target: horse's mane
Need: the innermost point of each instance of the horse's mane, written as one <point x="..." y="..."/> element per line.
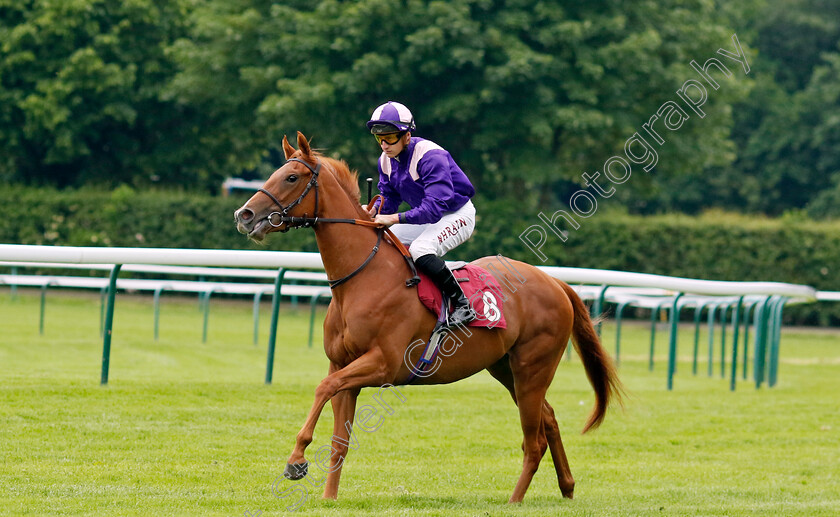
<point x="348" y="179"/>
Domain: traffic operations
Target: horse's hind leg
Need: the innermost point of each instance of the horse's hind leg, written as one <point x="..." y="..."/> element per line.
<point x="558" y="453"/>
<point x="500" y="371"/>
<point x="551" y="431"/>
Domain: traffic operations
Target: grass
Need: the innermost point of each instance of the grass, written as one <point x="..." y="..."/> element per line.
<point x="189" y="428"/>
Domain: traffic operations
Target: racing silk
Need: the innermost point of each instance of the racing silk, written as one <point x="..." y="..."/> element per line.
<point x="426" y="177"/>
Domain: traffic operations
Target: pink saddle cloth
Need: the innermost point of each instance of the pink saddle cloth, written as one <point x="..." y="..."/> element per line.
<point x="481" y="289"/>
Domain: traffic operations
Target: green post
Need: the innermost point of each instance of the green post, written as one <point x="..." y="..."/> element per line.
<point x="736" y="317"/>
<point x="746" y="341"/>
<point x="207" y="294"/>
<point x="698" y="311"/>
<point x="293" y="298"/>
<point x="275" y="314"/>
<point x="312" y="306"/>
<point x="257" y="298"/>
<point x="618" y="313"/>
<point x="775" y="344"/>
<point x="711" y="320"/>
<point x="598" y="307"/>
<point x="672" y="341"/>
<point x="43" y="306"/>
<point x="723" y="311"/>
<point x="103" y="298"/>
<point x="109" y="322"/>
<point x="654" y="314"/>
<point x="157" y="308"/>
<point x="760" y="342"/>
<point x="14" y="285"/>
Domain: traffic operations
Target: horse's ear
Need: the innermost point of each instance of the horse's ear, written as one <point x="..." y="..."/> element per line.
<point x="287" y="148"/>
<point x="303" y="144"/>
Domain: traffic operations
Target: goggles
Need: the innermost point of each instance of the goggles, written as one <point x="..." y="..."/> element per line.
<point x="389" y="138"/>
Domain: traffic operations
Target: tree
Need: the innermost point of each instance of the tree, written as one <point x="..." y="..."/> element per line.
<point x="783" y="130"/>
<point x="79" y="92"/>
<point x="821" y="105"/>
<point x="524" y="94"/>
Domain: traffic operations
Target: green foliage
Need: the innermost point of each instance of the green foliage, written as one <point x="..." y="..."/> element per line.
<point x="80" y="85"/>
<point x="523" y="94"/>
<point x="526" y="95"/>
<point x="781" y="138"/>
<point x="793" y="34"/>
<point x="124" y="217"/>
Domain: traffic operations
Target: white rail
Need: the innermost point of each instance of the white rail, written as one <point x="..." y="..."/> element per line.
<point x="160" y="256"/>
<point x="684" y="285"/>
<point x="289" y="259"/>
<point x="646" y="289"/>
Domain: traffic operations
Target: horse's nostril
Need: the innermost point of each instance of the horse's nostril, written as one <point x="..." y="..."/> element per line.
<point x="245" y="215"/>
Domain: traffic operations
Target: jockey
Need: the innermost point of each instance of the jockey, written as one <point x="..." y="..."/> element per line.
<point x="424" y="175"/>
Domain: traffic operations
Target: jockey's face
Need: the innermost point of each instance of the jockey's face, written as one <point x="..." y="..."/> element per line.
<point x="392" y="150"/>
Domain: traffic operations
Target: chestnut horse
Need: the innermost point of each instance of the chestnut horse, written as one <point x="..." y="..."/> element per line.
<point x="374" y="317"/>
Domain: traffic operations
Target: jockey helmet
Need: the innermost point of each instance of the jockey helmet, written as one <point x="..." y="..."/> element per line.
<point x="391" y="117"/>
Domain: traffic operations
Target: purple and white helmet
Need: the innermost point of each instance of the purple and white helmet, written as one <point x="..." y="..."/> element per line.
<point x="389" y="117"/>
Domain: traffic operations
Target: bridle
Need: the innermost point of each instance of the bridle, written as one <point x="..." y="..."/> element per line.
<point x="295" y="222"/>
<point x="284" y="217"/>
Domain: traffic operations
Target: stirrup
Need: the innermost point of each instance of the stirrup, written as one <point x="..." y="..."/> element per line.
<point x="461" y="316"/>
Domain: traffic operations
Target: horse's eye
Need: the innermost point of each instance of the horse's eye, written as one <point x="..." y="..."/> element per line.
<point x="292" y="178"/>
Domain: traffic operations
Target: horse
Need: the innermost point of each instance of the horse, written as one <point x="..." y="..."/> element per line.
<point x="374" y="317"/>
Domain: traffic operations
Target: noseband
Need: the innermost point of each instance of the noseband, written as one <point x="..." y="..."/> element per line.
<point x="305" y="222"/>
<point x="283" y="214"/>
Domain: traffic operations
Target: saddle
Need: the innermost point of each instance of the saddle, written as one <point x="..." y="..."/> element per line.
<point x="486" y="298"/>
<point x="480" y="288"/>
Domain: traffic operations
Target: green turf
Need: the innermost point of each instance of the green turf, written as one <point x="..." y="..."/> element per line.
<point x="186" y="428"/>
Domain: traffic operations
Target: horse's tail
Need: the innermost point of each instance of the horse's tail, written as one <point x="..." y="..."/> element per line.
<point x="599" y="366"/>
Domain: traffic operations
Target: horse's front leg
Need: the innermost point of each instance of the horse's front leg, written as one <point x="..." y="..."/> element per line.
<point x="344" y="409"/>
<point x="368" y="370"/>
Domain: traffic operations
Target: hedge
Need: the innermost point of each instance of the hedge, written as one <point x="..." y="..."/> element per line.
<point x="714" y="246"/>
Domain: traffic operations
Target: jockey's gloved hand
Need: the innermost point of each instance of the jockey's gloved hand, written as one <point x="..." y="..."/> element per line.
<point x="371" y="211"/>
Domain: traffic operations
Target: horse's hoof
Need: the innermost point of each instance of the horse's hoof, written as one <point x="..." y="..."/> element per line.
<point x="295" y="471"/>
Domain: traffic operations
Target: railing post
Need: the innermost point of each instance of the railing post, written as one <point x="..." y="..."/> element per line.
<point x="760" y="342"/>
<point x="698" y="311"/>
<point x="711" y="320"/>
<point x="618" y="313"/>
<point x="103" y="300"/>
<point x="157" y="308"/>
<point x="312" y="306"/>
<point x="775" y="343"/>
<point x="293" y="298"/>
<point x="272" y="338"/>
<point x="257" y="298"/>
<point x="654" y="315"/>
<point x="736" y="316"/>
<point x="723" y="312"/>
<point x="13" y="291"/>
<point x="750" y="306"/>
<point x="109" y="323"/>
<point x="207" y="295"/>
<point x="43" y="307"/>
<point x="598" y="307"/>
<point x="672" y="342"/>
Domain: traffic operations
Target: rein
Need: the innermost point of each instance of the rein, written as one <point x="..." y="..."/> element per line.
<point x="305" y="222"/>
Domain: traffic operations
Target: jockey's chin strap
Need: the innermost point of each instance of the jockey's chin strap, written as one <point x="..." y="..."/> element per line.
<point x="277" y="219"/>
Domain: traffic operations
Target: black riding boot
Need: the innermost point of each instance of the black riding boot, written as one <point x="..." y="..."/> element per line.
<point x="436" y="269"/>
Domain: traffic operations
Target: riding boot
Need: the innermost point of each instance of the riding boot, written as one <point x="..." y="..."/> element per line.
<point x="436" y="269"/>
